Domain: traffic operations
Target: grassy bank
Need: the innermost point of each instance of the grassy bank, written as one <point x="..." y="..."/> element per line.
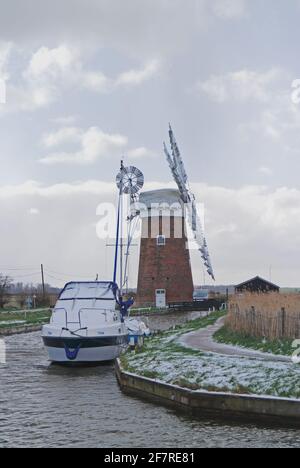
<point x="20" y="318"/>
<point x="164" y="358"/>
<point x="148" y="311"/>
<point x="281" y="347"/>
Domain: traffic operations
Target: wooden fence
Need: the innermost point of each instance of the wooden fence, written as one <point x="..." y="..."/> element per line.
<point x="272" y="316"/>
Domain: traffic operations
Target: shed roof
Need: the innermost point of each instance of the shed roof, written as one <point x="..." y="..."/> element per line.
<point x="245" y="283"/>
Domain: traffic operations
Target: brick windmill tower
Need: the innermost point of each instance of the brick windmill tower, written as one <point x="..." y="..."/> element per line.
<point x="165" y="273"/>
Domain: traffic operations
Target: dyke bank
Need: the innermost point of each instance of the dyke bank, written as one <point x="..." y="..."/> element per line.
<point x="198" y="382"/>
<point x="196" y="403"/>
<point x="9" y="331"/>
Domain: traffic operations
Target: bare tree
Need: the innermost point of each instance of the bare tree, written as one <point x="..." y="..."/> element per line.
<point x="42" y="300"/>
<point x="5" y="284"/>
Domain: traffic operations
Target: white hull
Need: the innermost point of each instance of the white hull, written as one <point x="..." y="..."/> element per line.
<point x="85" y="326"/>
<point x="96" y="355"/>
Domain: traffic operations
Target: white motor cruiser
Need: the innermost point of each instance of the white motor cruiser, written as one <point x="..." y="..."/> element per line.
<point x="85" y="326"/>
<point x="88" y="321"/>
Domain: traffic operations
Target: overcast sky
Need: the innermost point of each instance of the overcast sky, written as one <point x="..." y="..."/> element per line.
<point x="91" y="80"/>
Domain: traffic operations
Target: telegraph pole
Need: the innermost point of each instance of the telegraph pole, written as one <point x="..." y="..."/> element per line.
<point x="43" y="282"/>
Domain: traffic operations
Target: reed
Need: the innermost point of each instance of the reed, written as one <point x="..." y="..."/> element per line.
<point x="272" y="316"/>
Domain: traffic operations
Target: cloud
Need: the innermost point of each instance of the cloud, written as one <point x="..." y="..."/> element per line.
<point x="5" y="51"/>
<point x="52" y="72"/>
<point x="96" y="81"/>
<point x="263" y="228"/>
<point x="136" y="77"/>
<point x="135" y="26"/>
<point x="52" y="63"/>
<point x="140" y="153"/>
<point x="65" y="120"/>
<point x="229" y="9"/>
<point x="33" y="211"/>
<point x="273" y="115"/>
<point x="247" y="228"/>
<point x="63" y="135"/>
<point x="42" y="81"/>
<point x="36" y="189"/>
<point x="266" y="170"/>
<point x="241" y="86"/>
<point x="248" y="208"/>
<point x="100" y="83"/>
<point x="28" y="98"/>
<point x="253" y="208"/>
<point x="66" y="64"/>
<point x="278" y="121"/>
<point x="94" y="145"/>
<point x="28" y="92"/>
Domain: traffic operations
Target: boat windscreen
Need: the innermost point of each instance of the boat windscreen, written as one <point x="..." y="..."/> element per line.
<point x="91" y="290"/>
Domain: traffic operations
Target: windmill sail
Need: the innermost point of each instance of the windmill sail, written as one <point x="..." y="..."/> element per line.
<point x="180" y="176"/>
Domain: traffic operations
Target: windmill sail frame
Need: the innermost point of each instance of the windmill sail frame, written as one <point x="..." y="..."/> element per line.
<point x="179" y="173"/>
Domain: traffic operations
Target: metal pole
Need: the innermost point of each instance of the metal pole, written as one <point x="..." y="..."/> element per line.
<point x="121" y="247"/>
<point x="118" y="228"/>
<point x="43" y="282"/>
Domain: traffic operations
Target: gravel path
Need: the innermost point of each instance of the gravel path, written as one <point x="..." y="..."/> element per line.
<point x="203" y="341"/>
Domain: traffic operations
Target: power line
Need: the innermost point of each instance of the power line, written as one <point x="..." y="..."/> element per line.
<point x="24" y="276"/>
<point x="64" y="280"/>
<point x="55" y="278"/>
<point x="17" y="269"/>
<point x="17" y="273"/>
<point x="67" y="275"/>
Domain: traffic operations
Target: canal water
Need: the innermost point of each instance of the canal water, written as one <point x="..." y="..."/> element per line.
<point x="49" y="406"/>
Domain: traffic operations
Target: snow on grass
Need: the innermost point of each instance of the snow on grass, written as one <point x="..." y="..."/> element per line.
<point x="165" y="359"/>
<point x="12" y="322"/>
<point x="279" y="347"/>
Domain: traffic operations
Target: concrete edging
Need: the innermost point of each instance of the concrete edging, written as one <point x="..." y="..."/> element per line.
<point x="282" y="411"/>
<point x="20" y="330"/>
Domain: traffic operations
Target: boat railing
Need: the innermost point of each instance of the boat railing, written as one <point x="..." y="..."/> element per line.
<point x="60" y="309"/>
<point x="104" y="312"/>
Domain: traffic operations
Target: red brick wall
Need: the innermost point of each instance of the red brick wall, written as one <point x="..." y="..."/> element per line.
<point x="164" y="267"/>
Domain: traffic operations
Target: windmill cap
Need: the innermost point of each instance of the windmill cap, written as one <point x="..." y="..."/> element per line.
<point x="161" y="202"/>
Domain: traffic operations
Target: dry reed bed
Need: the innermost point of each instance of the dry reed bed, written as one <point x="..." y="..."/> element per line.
<point x="272" y="316"/>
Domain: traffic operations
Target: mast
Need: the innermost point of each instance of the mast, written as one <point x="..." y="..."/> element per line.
<point x="121" y="236"/>
<point x="130" y="181"/>
<point x="118" y="226"/>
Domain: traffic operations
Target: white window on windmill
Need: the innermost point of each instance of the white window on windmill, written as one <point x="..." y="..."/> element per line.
<point x="161" y="241"/>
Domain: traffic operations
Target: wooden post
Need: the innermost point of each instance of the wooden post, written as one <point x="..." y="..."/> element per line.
<point x="283" y="321"/>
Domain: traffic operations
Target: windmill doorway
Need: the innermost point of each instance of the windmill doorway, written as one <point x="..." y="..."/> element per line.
<point x="161" y="298"/>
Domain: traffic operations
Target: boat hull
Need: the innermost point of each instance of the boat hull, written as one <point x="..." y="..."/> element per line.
<point x="84" y="350"/>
